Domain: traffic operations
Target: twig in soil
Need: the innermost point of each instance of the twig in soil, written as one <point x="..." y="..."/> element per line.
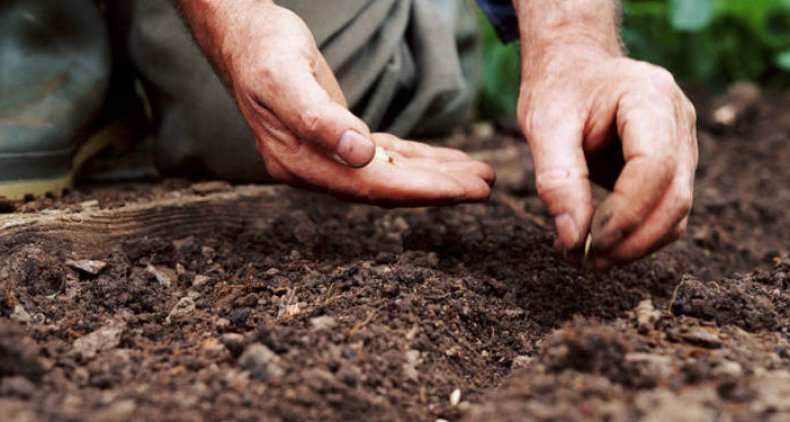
<point x="288" y="307"/>
<point x="358" y="326"/>
<point x="520" y="212"/>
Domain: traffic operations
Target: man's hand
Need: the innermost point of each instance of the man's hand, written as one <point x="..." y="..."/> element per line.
<point x="579" y="95"/>
<point x="304" y="131"/>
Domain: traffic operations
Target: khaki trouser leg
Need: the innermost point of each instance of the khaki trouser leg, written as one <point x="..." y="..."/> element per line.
<point x="397" y="61"/>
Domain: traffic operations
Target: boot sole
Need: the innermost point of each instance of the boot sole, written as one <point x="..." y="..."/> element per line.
<point x="116" y="134"/>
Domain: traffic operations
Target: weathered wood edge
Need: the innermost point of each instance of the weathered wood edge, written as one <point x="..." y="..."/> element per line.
<point x="178" y="215"/>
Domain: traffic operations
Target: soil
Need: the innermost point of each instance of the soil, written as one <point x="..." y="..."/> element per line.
<point x="328" y="311"/>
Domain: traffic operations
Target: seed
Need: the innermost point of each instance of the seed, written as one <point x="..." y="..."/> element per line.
<point x="587" y="247"/>
<point x="381" y="155"/>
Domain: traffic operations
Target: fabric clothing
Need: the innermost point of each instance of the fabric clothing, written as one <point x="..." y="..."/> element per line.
<point x="503" y="17"/>
<point x="397" y="61"/>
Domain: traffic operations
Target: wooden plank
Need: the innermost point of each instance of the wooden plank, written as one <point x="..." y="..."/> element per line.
<point x="179" y="215"/>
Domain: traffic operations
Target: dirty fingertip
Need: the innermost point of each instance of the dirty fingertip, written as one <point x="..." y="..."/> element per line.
<point x="603" y="237"/>
<point x="568" y="235"/>
<point x="354" y="149"/>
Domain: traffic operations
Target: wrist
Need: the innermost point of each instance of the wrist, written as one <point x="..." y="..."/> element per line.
<point x="211" y="23"/>
<point x="583" y="28"/>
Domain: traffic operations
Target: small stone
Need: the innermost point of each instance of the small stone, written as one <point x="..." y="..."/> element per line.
<point x="19" y="353"/>
<point x="200" y="280"/>
<point x="349" y="375"/>
<point x="646" y="315"/>
<point x="164" y="276"/>
<point x="93" y="203"/>
<point x="184" y="308"/>
<point x="703" y="338"/>
<point x="121" y="410"/>
<point x="520" y="362"/>
<point x="728" y="368"/>
<point x="20" y="314"/>
<point x="455" y="397"/>
<point x="104" y="338"/>
<point x="410" y="367"/>
<point x="221" y="323"/>
<point x="323" y="322"/>
<point x="262" y="363"/>
<point x="238" y="381"/>
<point x="772" y="391"/>
<point x="239" y="316"/>
<point x="17" y="386"/>
<point x="432" y="259"/>
<point x="234" y="342"/>
<point x="87" y="267"/>
<point x="482" y="130"/>
<point x="81" y="376"/>
<point x="452" y="351"/>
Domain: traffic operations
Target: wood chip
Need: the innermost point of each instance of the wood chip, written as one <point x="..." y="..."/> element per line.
<point x="87" y="266"/>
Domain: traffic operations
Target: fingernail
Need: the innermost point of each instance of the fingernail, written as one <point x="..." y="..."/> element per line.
<point x="355" y="150"/>
<point x="567" y="231"/>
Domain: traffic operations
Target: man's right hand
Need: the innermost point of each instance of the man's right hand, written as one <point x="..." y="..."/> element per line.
<point x="304" y="131"/>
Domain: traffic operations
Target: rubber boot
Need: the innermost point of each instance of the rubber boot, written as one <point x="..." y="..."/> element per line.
<point x="54" y="73"/>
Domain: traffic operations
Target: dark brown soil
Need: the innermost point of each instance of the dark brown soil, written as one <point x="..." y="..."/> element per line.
<point x="330" y="311"/>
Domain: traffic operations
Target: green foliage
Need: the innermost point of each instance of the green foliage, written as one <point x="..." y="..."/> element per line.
<point x="714" y="42"/>
<point x="501" y="75"/>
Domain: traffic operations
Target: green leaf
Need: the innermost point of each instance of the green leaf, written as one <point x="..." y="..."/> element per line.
<point x="690" y="15"/>
<point x="783" y="60"/>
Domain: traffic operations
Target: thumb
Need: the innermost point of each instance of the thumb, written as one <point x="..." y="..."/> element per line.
<point x="562" y="177"/>
<point x="311" y="104"/>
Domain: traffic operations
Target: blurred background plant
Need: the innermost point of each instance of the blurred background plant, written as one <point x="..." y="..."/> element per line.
<point x="704" y="42"/>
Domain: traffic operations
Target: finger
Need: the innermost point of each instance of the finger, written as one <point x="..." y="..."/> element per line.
<point x="471" y="173"/>
<point x="326" y="78"/>
<point x="604" y="263"/>
<point x="414" y="149"/>
<point x="645" y="130"/>
<point x="297" y="98"/>
<point x="660" y="226"/>
<point x="561" y="175"/>
<point x="384" y="183"/>
<point x="477" y="169"/>
<point x="476" y="177"/>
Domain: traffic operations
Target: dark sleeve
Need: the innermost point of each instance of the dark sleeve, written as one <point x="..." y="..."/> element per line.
<point x="502" y="16"/>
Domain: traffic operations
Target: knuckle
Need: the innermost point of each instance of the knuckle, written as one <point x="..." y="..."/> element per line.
<point x="665" y="164"/>
<point x="630" y="217"/>
<point x="690" y="110"/>
<point x="681" y="228"/>
<point x="552" y="183"/>
<point x="268" y="72"/>
<point x="532" y="124"/>
<point x="663" y="78"/>
<point x="684" y="201"/>
<point x="540" y="121"/>
<point x="308" y="124"/>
